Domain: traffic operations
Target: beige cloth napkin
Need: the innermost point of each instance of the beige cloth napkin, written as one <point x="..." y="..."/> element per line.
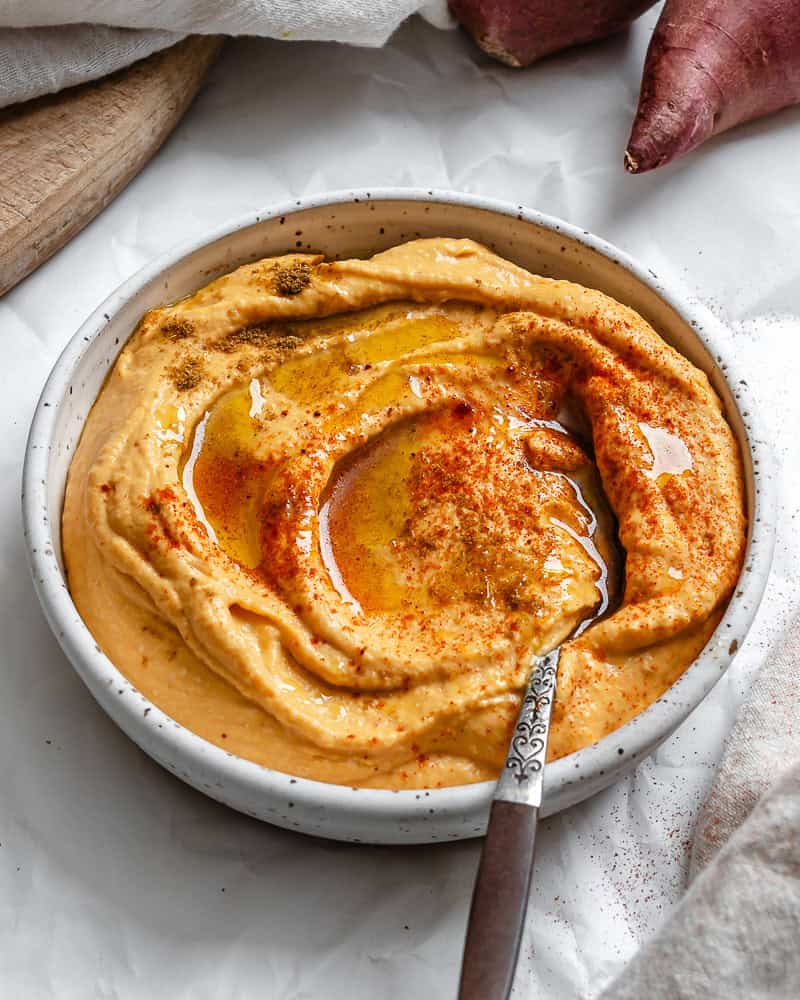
<point x="46" y="46"/>
<point x="736" y="933"/>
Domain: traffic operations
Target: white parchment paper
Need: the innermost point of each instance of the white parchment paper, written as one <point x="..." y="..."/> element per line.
<point x="117" y="881"/>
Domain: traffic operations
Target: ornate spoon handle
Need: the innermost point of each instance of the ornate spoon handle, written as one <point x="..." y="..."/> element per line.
<point x="522" y="777"/>
<point x="501" y="892"/>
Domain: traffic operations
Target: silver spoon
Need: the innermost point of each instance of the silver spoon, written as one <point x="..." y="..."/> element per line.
<point x="502" y="887"/>
<point x="500" y="898"/>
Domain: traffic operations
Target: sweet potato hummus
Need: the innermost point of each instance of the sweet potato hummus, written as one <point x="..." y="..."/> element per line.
<point x="324" y="514"/>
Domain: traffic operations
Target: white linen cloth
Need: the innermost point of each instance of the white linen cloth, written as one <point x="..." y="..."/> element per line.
<point x="736" y="932"/>
<point x="47" y="46"/>
<point x="116" y="880"/>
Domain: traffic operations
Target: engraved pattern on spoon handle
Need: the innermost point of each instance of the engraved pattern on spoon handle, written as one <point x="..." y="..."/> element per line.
<point x="522" y="777"/>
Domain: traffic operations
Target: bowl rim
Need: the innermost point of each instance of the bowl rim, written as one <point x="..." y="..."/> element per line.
<point x="631" y="741"/>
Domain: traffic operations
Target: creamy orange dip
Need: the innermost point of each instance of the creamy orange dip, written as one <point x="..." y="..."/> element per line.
<point x="325" y="514"/>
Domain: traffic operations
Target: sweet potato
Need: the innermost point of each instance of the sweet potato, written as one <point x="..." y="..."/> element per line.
<point x="518" y="32"/>
<point x="713" y="64"/>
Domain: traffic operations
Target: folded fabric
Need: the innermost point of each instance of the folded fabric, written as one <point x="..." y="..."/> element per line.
<point x="736" y="932"/>
<point x="46" y="46"/>
<point x="36" y="61"/>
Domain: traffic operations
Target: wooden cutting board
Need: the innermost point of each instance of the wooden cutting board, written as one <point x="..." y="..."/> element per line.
<point x="64" y="157"/>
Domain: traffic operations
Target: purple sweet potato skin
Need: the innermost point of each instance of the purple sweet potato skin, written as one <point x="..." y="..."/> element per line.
<point x="518" y="32"/>
<point x="713" y="64"/>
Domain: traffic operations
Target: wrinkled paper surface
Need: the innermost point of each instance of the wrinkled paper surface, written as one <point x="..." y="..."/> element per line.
<point x="116" y="880"/>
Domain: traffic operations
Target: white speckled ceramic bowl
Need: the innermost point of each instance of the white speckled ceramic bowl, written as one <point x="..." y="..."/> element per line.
<point x="349" y="224"/>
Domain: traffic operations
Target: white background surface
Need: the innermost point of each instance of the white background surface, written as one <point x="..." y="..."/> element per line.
<point x="117" y="881"/>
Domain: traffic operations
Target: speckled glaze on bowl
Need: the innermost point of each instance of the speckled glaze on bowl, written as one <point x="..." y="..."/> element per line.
<point x="347" y="224"/>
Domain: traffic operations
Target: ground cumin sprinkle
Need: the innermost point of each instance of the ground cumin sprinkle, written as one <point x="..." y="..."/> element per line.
<point x="274" y="335"/>
<point x="188" y="374"/>
<point x="177" y="329"/>
<point x="293" y="279"/>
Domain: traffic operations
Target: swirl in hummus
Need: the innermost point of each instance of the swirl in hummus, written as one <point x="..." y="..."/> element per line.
<point x="324" y="514"/>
